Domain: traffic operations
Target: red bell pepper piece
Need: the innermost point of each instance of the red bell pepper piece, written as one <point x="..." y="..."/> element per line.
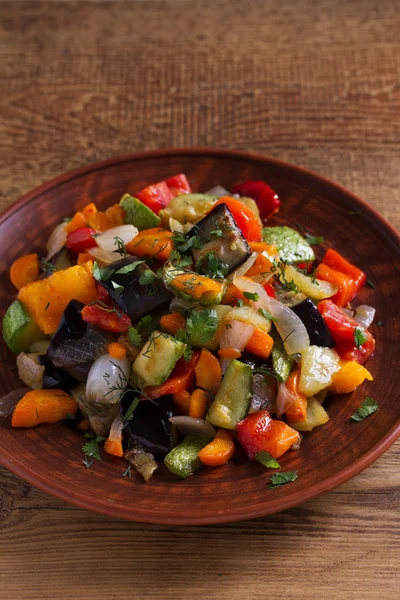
<point x="159" y="195"/>
<point x="81" y="240"/>
<point x="267" y="200"/>
<point x="178" y="184"/>
<point x="259" y="432"/>
<point x="180" y="379"/>
<point x="244" y="217"/>
<point x="269" y="289"/>
<point x="337" y="270"/>
<point x="342" y="328"/>
<point x="106" y="314"/>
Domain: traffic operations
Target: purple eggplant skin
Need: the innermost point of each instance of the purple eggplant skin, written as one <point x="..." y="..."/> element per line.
<point x="230" y="247"/>
<point x="313" y="321"/>
<point x="132" y="297"/>
<point x="76" y="344"/>
<point x="149" y="427"/>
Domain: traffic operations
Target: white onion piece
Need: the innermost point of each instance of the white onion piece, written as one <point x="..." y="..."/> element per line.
<point x="104" y="257"/>
<point x="107" y="240"/>
<point x="290" y="327"/>
<point x="348" y="311"/>
<point x="117" y="426"/>
<point x="107" y="379"/>
<point x="235" y="334"/>
<point x="30" y="371"/>
<point x="10" y="401"/>
<point x="218" y="191"/>
<point x="180" y="305"/>
<point x="284" y="400"/>
<point x="242" y="270"/>
<point x="192" y="426"/>
<point x="364" y="315"/>
<point x="56" y="241"/>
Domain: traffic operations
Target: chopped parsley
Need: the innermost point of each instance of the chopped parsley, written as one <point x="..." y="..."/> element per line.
<point x="368" y="407"/>
<point x="314" y="240"/>
<point x="240" y="303"/>
<point x="91" y="448"/>
<point x="134" y="336"/>
<point x="251" y="296"/>
<point x="147" y="277"/>
<point x="183" y="242"/>
<point x="281" y="478"/>
<point x="267" y="460"/>
<point x="212" y="266"/>
<point x="217" y="233"/>
<point x="360" y="337"/>
<point x="47" y="266"/>
<point x="201" y="326"/>
<point x="266" y="314"/>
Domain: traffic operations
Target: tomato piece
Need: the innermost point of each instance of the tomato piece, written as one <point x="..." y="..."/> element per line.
<point x="267" y="200"/>
<point x="156" y="196"/>
<point x="81" y="240"/>
<point x="342" y="328"/>
<point x="179" y="381"/>
<point x="244" y="218"/>
<point x="178" y="184"/>
<point x="105" y="314"/>
<point x="259" y="432"/>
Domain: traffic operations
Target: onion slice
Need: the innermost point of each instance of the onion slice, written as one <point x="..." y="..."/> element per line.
<point x="192" y="426"/>
<point x="364" y="315"/>
<point x="117" y="426"/>
<point x="104" y="257"/>
<point x="246" y="266"/>
<point x="284" y="400"/>
<point x="107" y="379"/>
<point x="108" y="241"/>
<point x="56" y="241"/>
<point x="290" y="327"/>
<point x="235" y="334"/>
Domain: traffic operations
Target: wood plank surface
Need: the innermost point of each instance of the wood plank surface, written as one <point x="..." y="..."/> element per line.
<point x="313" y="83"/>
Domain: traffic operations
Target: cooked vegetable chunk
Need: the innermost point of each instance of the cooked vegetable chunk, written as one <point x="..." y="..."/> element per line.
<point x="157" y="359"/>
<point x="184" y="459"/>
<point x="292" y="247"/>
<point x="316" y="327"/>
<point x="19" y="328"/>
<point x="232" y="401"/>
<point x="138" y="214"/>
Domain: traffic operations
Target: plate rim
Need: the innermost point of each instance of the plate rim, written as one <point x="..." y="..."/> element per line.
<point x="115" y="510"/>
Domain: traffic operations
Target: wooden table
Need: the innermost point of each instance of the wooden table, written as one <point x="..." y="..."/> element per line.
<point x="313" y="83"/>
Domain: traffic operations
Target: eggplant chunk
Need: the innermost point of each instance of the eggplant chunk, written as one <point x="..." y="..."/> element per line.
<point x="150" y="428"/>
<point x="76" y="343"/>
<point x="135" y="298"/>
<point x="220" y="235"/>
<point x="316" y="327"/>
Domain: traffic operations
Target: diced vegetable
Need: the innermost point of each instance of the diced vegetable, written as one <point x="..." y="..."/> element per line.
<point x="184" y="459"/>
<point x="117" y="238"/>
<point x="267" y="200"/>
<point x="260" y="344"/>
<point x="258" y="432"/>
<point x="344" y="329"/>
<point x="187" y="208"/>
<point x="107" y="379"/>
<point x="244" y="217"/>
<point x="81" y="240"/>
<point x="281" y="361"/>
<point x="264" y="393"/>
<point x="25" y="270"/>
<point x="298" y="410"/>
<point x="365" y="315"/>
<point x="178" y="382"/>
<point x="142" y="461"/>
<point x="182" y="400"/>
<point x="247" y="314"/>
<point x="191" y="286"/>
<point x="150" y="428"/>
<point x="316" y="327"/>
<point x="318" y="366"/>
<point x="208" y="372"/>
<point x="219" y="234"/>
<point x="116" y="350"/>
<point x="219" y="451"/>
<point x="173" y="322"/>
<point x="316" y="415"/>
<point x="198" y="404"/>
<point x="292" y="247"/>
<point x="19" y="328"/>
<point x="106" y="316"/>
<point x="56" y="241"/>
<point x="349" y="377"/>
<point x="152" y="243"/>
<point x="348" y="278"/>
<point x="30" y="370"/>
<point x="316" y="289"/>
<point x="47" y="299"/>
<point x="78" y="221"/>
<point x="113" y="444"/>
<point x="178" y="184"/>
<point x="191" y="426"/>
<point x="232" y="401"/>
<point x="157" y="358"/>
<point x="133" y="286"/>
<point x="138" y="214"/>
<point x="43" y="406"/>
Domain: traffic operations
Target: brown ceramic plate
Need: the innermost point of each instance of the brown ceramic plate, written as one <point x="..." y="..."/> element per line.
<point x="49" y="457"/>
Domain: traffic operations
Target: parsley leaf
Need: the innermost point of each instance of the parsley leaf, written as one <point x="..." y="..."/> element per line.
<point x="180" y="261"/>
<point x="368" y="407"/>
<point x="118" y="289"/>
<point x="134" y="336"/>
<point x="380" y="323"/>
<point x="267" y="460"/>
<point x="240" y="303"/>
<point x="120" y="244"/>
<point x="187" y="355"/>
<point x="217" y="233"/>
<point x="212" y="266"/>
<point x="202" y="325"/>
<point x="147" y="277"/>
<point x="360" y="337"/>
<point x="183" y="242"/>
<point x="91" y="448"/>
<point x="96" y="271"/>
<point x="145" y="323"/>
<point x="251" y="296"/>
<point x="266" y="314"/>
<point x="126" y="269"/>
<point x="281" y="478"/>
<point x="314" y="240"/>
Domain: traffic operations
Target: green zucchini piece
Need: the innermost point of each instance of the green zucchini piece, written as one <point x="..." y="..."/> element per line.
<point x="291" y="246"/>
<point x="187" y="208"/>
<point x="281" y="361"/>
<point x="232" y="401"/>
<point x="157" y="358"/>
<point x="184" y="460"/>
<point x="138" y="214"/>
<point x="19" y="328"/>
<point x="316" y="415"/>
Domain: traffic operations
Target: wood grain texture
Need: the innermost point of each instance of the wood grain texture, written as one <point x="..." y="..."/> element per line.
<point x="316" y="84"/>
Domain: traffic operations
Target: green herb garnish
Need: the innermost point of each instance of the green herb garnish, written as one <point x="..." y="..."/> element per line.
<point x="371" y="284"/>
<point x="212" y="266"/>
<point x="278" y="479"/>
<point x="120" y="244"/>
<point x="134" y="336"/>
<point x="251" y="296"/>
<point x="314" y="240"/>
<point x="266" y="314"/>
<point x="147" y="277"/>
<point x="202" y="325"/>
<point x="267" y="460"/>
<point x="91" y="448"/>
<point x="360" y="337"/>
<point x="368" y="407"/>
